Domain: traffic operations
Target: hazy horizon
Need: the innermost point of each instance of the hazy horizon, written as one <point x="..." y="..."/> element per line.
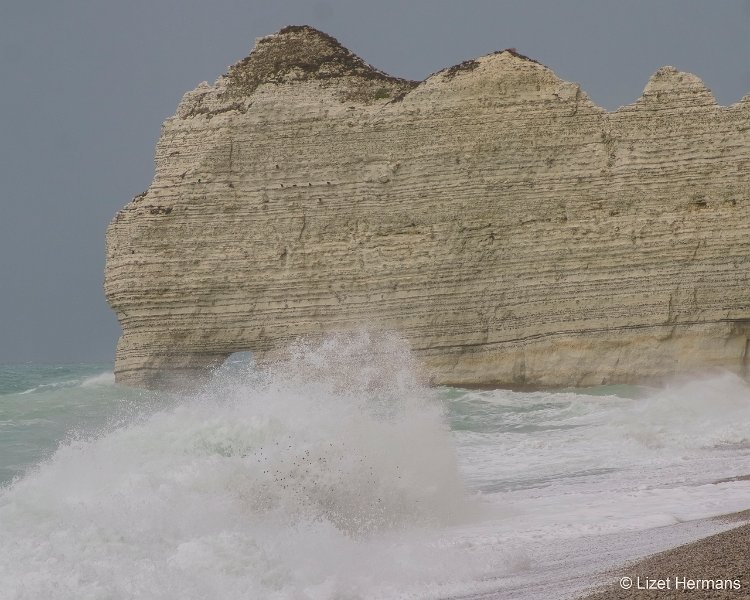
<point x="88" y="86"/>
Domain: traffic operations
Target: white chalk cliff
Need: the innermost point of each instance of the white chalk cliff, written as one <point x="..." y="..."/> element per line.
<point x="514" y="232"/>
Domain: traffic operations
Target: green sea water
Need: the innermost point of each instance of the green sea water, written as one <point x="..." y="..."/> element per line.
<point x="43" y="405"/>
<point x="338" y="474"/>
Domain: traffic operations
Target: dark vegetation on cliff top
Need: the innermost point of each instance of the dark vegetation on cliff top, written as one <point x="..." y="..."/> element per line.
<point x="303" y="53"/>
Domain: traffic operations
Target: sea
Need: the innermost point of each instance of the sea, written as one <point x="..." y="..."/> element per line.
<point x="334" y="472"/>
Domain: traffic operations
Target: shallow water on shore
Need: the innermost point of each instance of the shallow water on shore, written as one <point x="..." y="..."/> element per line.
<point x="337" y="474"/>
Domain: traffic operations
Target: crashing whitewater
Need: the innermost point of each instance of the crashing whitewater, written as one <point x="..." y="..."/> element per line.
<point x="336" y="473"/>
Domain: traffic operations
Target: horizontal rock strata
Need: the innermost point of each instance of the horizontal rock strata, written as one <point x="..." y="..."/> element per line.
<point x="513" y="231"/>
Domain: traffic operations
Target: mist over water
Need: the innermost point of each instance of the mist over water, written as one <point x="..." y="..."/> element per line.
<point x="323" y="476"/>
<point x="335" y="473"/>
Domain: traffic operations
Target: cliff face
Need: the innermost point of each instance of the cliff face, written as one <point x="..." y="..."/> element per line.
<point x="513" y="231"/>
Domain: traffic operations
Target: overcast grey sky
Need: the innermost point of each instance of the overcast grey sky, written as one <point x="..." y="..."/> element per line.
<point x="87" y="83"/>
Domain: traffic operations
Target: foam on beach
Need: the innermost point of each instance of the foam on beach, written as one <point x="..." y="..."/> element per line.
<point x="336" y="473"/>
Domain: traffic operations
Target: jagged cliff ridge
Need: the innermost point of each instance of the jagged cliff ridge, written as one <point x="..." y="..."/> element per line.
<point x="516" y="233"/>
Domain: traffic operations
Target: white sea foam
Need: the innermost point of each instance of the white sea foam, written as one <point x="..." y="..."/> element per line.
<point x="332" y="474"/>
<point x="102" y="379"/>
<point x="570" y="465"/>
<point x="107" y="378"/>
<point x="327" y="476"/>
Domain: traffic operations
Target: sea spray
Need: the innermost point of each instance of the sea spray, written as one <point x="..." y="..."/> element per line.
<point x="700" y="412"/>
<point x="323" y="476"/>
<point x="572" y="464"/>
<point x="340" y="431"/>
<point x="287" y="481"/>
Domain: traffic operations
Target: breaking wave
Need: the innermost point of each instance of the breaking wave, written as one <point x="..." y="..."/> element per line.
<point x="323" y="476"/>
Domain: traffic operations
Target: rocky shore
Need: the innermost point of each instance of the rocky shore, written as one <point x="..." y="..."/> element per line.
<point x="716" y="567"/>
